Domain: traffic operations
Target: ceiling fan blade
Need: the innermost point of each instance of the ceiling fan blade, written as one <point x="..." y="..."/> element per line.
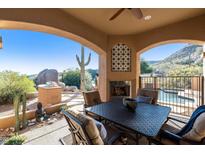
<point x="137" y="12"/>
<point x="117" y="14"/>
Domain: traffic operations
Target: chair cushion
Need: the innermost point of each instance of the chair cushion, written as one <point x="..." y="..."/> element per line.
<point x="144" y="99"/>
<point x="197" y="133"/>
<point x="168" y="127"/>
<point x="102" y="130"/>
<point x="91" y="98"/>
<point x="90" y="127"/>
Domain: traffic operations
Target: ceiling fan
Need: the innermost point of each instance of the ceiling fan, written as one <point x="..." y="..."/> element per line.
<point x="137" y="12"/>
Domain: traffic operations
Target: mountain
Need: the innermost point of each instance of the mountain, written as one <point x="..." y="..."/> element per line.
<point x="189" y="55"/>
<point x="152" y="62"/>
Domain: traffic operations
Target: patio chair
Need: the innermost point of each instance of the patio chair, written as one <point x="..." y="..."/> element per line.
<point x="84" y="131"/>
<point x="91" y="98"/>
<point x="149" y="93"/>
<point x="192" y="133"/>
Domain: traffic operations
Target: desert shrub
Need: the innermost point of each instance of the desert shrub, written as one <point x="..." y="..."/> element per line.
<point x="72" y="78"/>
<point x="93" y="73"/>
<point x="186" y="71"/>
<point x="181" y="77"/>
<point x="15" y="140"/>
<point x="145" y="67"/>
<point x="12" y="84"/>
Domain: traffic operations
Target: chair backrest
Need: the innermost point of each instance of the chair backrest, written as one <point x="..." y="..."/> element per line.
<point x="83" y="128"/>
<point x="77" y="129"/>
<point x="149" y="93"/>
<point x="91" y="98"/>
<point x="190" y="123"/>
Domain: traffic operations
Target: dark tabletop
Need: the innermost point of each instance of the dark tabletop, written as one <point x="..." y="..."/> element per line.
<point x="147" y="119"/>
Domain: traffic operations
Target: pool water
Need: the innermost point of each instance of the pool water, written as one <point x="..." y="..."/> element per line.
<point x="172" y="97"/>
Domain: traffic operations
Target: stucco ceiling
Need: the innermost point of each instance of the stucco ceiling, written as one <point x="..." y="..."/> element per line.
<point x="126" y="23"/>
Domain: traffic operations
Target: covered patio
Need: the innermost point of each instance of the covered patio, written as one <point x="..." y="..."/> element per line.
<point x="119" y="43"/>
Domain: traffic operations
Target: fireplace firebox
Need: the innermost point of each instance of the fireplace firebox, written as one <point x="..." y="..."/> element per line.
<point x="119" y="89"/>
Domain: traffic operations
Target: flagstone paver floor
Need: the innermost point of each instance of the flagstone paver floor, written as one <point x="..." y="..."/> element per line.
<point x="47" y="135"/>
<point x="50" y="134"/>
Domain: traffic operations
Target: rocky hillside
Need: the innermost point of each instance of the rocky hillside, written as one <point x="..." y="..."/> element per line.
<point x="152" y="62"/>
<point x="189" y="55"/>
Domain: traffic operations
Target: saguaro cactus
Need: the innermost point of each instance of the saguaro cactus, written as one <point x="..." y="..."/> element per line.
<point x="24" y="120"/>
<point x="16" y="108"/>
<point x="82" y="65"/>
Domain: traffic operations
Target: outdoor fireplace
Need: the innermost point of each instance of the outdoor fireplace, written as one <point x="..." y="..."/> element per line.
<point x="119" y="89"/>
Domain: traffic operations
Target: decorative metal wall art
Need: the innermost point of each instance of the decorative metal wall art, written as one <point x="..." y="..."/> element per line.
<point x="121" y="58"/>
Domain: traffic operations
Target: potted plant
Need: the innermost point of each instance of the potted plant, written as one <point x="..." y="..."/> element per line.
<point x="15" y="140"/>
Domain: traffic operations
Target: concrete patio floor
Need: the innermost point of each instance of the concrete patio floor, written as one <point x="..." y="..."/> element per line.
<point x="47" y="135"/>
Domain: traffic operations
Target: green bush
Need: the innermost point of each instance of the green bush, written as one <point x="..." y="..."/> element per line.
<point x="145" y="67"/>
<point x="72" y="78"/>
<point x="15" y="140"/>
<point x="186" y="70"/>
<point x="12" y="84"/>
<point x="93" y="73"/>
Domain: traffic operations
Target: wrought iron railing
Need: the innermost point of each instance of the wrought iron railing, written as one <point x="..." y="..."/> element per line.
<point x="182" y="93"/>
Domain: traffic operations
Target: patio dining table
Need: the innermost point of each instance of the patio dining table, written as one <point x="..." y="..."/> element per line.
<point x="147" y="119"/>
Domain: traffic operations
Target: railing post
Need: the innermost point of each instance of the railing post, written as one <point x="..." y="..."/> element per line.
<point x="155" y="83"/>
<point x="140" y="82"/>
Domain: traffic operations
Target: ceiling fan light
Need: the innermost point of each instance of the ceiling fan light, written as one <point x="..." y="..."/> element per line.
<point x="148" y="17"/>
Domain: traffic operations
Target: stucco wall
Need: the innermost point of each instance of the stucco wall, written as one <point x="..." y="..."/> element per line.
<point x="121" y="76"/>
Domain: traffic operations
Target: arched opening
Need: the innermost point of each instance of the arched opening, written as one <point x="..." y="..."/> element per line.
<point x="5" y="24"/>
<point x="175" y="69"/>
<point x="39" y="59"/>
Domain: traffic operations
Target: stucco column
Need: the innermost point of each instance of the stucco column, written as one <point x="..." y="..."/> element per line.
<point x="137" y="70"/>
<point x="203" y="73"/>
<point x="121" y="75"/>
<point x="103" y="77"/>
<point x="204" y="60"/>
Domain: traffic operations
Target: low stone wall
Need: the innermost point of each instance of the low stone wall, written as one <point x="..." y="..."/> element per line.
<point x="9" y="121"/>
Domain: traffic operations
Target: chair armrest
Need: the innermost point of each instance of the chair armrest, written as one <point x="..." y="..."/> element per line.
<point x="171" y="118"/>
<point x="170" y="135"/>
<point x="180" y="140"/>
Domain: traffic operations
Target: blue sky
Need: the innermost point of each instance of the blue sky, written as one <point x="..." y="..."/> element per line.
<point x="162" y="51"/>
<point x="30" y="52"/>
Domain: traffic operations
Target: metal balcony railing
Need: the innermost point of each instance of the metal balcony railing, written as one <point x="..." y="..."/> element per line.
<point x="182" y="93"/>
